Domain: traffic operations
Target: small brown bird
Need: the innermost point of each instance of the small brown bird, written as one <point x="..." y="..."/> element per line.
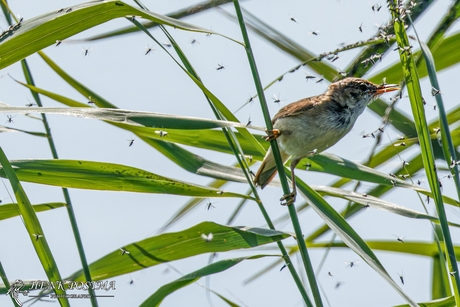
<point x="311" y="125"/>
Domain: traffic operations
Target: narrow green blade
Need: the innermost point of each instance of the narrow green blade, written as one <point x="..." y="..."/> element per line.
<point x="33" y="227"/>
<point x="217" y="267"/>
<point x="179" y="245"/>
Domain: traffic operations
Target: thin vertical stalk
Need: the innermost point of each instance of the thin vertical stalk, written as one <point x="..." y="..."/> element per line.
<point x="279" y="164"/>
<point x="6" y="283"/>
<point x="423" y="133"/>
<point x="70" y="211"/>
<point x="447" y="147"/>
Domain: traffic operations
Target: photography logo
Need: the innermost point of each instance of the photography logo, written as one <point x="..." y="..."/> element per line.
<point x="17" y="287"/>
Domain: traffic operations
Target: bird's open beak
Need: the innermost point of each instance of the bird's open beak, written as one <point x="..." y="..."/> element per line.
<point x="385" y="88"/>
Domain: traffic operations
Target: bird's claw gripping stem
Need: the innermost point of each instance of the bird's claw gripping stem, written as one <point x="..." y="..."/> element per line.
<point x="288" y="198"/>
<point x="272" y="134"/>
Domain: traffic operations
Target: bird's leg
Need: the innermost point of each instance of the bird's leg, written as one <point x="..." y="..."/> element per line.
<point x="272" y="134"/>
<point x="290" y="198"/>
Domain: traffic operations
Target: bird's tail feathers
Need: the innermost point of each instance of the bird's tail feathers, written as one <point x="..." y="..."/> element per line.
<point x="268" y="168"/>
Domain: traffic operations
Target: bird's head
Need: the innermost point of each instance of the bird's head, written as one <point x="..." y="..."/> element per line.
<point x="356" y="92"/>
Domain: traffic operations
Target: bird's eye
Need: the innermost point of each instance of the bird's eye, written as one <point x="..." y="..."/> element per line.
<point x="363" y="87"/>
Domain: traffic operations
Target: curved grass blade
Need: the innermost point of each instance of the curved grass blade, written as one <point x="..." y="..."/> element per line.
<point x="10" y="210"/>
<point x="329" y="163"/>
<point x="108" y="177"/>
<point x="148" y="119"/>
<point x="446" y="136"/>
<point x="179" y="245"/>
<point x="377" y="203"/>
<point x="217" y="267"/>
<point x="208" y="140"/>
<point x="442" y="302"/>
<point x="426" y="249"/>
<point x="33" y="227"/>
<point x="348" y="235"/>
<point x="214" y="140"/>
<point x="9" y="129"/>
<point x="332" y="164"/>
<point x="229" y="302"/>
<point x="89" y="94"/>
<point x="192" y="162"/>
<point x="222" y="112"/>
<point x="30" y="36"/>
<point x="415" y="165"/>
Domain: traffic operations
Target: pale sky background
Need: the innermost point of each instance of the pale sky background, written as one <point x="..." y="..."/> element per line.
<point x="118" y="70"/>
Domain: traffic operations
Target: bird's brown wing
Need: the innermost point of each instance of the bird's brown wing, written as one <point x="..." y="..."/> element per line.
<point x="297" y="108"/>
